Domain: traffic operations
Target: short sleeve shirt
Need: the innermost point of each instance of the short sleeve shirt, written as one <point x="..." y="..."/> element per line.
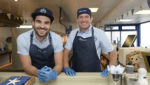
<point x="101" y="41"/>
<point x="23" y="42"/>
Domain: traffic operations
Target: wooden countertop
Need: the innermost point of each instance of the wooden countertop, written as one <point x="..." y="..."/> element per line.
<point x="80" y="79"/>
<point x="84" y="78"/>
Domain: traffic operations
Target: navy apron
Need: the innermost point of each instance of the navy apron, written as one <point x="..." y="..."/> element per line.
<point x="42" y="57"/>
<point x="85" y="58"/>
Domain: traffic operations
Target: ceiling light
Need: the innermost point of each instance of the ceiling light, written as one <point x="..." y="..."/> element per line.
<point x="93" y="9"/>
<point x="25" y="26"/>
<point x="125" y="20"/>
<point x="143" y="12"/>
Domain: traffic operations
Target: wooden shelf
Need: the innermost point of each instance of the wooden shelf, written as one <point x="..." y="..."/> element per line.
<point x="6" y="65"/>
<point x="5" y="59"/>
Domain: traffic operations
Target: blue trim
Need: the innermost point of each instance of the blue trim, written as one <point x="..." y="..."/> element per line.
<point x="109" y="30"/>
<point x="122" y="24"/>
<point x="138" y="35"/>
<point x="137" y="29"/>
<point x="120" y="27"/>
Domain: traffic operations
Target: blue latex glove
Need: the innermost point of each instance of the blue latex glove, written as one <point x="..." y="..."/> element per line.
<point x="53" y="75"/>
<point x="46" y="74"/>
<point x="43" y="74"/>
<point x="46" y="68"/>
<point x="105" y="72"/>
<point x="68" y="71"/>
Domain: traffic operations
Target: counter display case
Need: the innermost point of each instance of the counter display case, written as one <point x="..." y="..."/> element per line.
<point x="82" y="78"/>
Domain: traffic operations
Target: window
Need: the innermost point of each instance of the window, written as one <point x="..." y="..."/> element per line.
<point x="115" y="28"/>
<point x="118" y="33"/>
<point x="108" y="34"/>
<point x="112" y="28"/>
<point x="145" y="32"/>
<point x="128" y="27"/>
<point x="115" y="36"/>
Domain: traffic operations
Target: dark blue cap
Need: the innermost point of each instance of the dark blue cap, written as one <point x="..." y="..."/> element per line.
<point x="43" y="12"/>
<point x="84" y="11"/>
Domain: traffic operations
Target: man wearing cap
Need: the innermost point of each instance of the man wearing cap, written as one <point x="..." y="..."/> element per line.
<point x="86" y="42"/>
<point x="40" y="50"/>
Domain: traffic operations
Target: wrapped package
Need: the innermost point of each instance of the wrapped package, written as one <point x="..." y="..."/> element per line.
<point x="18" y="80"/>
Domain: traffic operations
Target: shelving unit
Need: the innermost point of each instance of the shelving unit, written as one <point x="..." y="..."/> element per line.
<point x="5" y="59"/>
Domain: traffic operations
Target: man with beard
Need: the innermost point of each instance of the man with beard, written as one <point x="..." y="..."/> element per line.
<point x="40" y="50"/>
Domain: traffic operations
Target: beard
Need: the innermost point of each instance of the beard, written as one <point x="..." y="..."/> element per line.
<point x="41" y="32"/>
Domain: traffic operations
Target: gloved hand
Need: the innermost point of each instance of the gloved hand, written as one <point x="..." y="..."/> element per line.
<point x="105" y="72"/>
<point x="68" y="71"/>
<point x="53" y="75"/>
<point x="42" y="74"/>
<point x="46" y="73"/>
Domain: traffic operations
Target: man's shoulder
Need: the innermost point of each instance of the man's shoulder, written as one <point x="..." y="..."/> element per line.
<point x="25" y="35"/>
<point x="54" y="35"/>
<point x="98" y="29"/>
<point x="98" y="32"/>
<point x="73" y="32"/>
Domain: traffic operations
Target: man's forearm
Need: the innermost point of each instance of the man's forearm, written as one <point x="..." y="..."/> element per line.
<point x="27" y="66"/>
<point x="113" y="57"/>
<point x="58" y="69"/>
<point x="31" y="70"/>
<point x="66" y="64"/>
<point x="66" y="58"/>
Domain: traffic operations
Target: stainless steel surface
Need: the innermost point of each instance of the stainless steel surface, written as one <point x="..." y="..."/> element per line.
<point x="116" y="79"/>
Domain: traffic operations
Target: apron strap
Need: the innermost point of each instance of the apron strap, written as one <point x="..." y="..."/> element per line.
<point x="31" y="39"/>
<point x="92" y="32"/>
<point x="50" y="39"/>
